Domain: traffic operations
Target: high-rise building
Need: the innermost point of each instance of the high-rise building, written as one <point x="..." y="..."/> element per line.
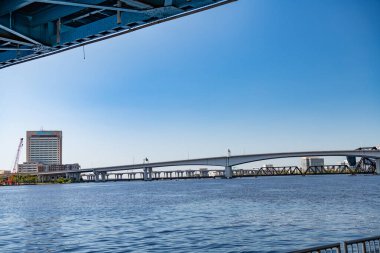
<point x="306" y="162"/>
<point x="44" y="147"/>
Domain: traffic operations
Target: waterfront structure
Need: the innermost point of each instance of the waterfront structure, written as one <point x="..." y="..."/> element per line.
<point x="306" y="162"/>
<point x="44" y="147"/>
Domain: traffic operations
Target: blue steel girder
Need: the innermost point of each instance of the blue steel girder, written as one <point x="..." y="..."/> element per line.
<point x="30" y="29"/>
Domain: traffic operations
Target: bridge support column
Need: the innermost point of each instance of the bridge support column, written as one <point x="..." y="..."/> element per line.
<point x="228" y="172"/>
<point x="103" y="176"/>
<point x="145" y="174"/>
<point x="378" y="166"/>
<point x="148" y="174"/>
<point x="96" y="176"/>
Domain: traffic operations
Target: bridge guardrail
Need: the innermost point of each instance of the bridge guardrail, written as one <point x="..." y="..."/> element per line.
<point x="365" y="245"/>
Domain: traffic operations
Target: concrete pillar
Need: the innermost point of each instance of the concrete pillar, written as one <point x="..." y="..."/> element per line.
<point x="148" y="174"/>
<point x="228" y="172"/>
<point x="103" y="176"/>
<point x="378" y="166"/>
<point x="96" y="176"/>
<point x="145" y="174"/>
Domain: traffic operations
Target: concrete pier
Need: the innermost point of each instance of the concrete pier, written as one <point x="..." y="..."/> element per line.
<point x="228" y="172"/>
<point x="378" y="166"/>
<point x="103" y="176"/>
<point x="96" y="176"/>
<point x="148" y="174"/>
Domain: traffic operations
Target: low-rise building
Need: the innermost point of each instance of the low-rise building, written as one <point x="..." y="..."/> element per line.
<point x="33" y="167"/>
<point x="5" y="172"/>
<point x="63" y="167"/>
<point x="203" y="172"/>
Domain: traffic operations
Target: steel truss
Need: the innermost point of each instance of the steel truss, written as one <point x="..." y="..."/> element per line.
<point x="31" y="29"/>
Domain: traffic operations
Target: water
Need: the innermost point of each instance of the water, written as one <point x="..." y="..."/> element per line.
<point x="273" y="214"/>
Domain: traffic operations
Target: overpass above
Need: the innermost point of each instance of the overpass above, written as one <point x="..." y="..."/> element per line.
<point x="30" y="29"/>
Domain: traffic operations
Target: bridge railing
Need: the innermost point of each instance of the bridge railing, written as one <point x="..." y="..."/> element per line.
<point x="365" y="245"/>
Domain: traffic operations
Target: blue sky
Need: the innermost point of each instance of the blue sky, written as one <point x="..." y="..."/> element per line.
<point x="253" y="76"/>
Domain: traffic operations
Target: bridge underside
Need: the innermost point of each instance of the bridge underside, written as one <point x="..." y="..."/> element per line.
<point x="31" y="29"/>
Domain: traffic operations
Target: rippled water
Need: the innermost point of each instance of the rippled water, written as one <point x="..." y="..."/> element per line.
<point x="273" y="214"/>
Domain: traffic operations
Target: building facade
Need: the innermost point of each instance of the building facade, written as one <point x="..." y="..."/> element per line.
<point x="44" y="147"/>
<point x="34" y="167"/>
<point x="5" y="172"/>
<point x="63" y="167"/>
<point x="31" y="167"/>
<point x="306" y="162"/>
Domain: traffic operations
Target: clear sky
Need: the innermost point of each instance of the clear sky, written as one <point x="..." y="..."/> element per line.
<point x="254" y="76"/>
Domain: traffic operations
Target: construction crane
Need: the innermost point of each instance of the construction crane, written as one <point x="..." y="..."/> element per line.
<point x="15" y="166"/>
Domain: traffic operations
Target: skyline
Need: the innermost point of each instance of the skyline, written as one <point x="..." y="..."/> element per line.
<point x="257" y="86"/>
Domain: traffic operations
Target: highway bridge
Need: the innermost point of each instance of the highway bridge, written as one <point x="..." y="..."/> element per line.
<point x="30" y="29"/>
<point x="226" y="162"/>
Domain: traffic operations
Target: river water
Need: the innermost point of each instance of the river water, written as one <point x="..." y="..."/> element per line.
<point x="272" y="214"/>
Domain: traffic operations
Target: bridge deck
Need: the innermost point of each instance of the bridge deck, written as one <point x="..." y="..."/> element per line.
<point x="30" y="29"/>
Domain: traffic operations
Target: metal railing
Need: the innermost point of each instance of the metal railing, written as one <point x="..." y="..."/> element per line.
<point x="331" y="248"/>
<point x="366" y="245"/>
